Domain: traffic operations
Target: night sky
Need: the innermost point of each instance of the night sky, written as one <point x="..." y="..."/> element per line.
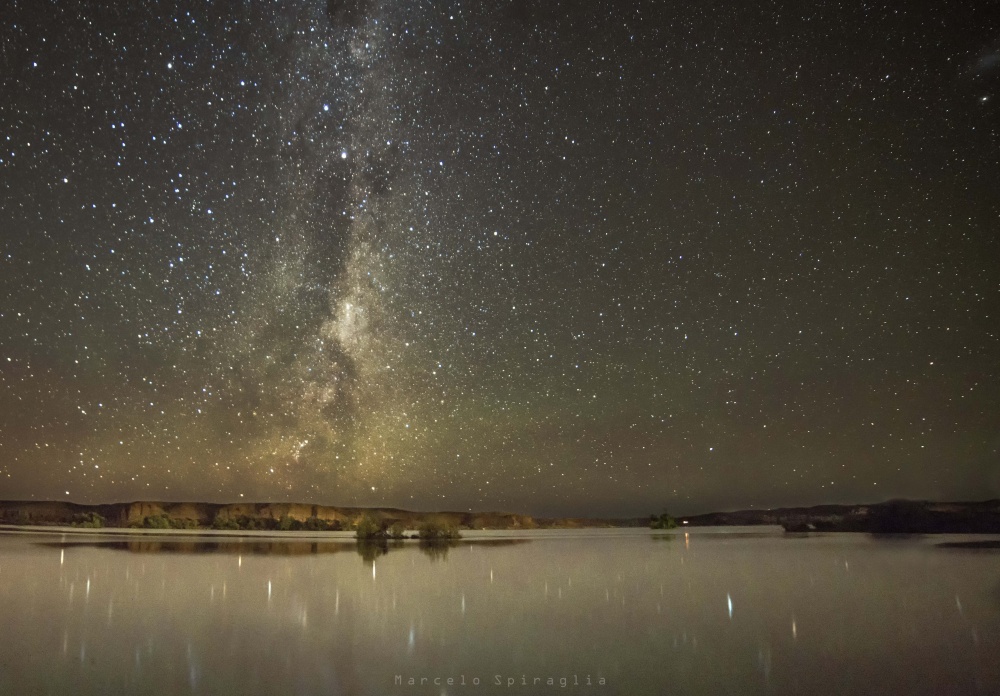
<point x="550" y="257"/>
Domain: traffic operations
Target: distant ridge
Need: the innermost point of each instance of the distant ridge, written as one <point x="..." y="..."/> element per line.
<point x="890" y="517"/>
<point x="268" y="516"/>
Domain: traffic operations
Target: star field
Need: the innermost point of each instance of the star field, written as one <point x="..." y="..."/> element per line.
<point x="561" y="258"/>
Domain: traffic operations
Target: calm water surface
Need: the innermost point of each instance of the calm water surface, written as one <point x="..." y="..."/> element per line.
<point x="708" y="612"/>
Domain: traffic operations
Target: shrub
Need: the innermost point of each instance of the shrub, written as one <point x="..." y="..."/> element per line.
<point x="156" y="522"/>
<point x="370" y="527"/>
<point x="88" y="519"/>
<point x="438" y="528"/>
<point x="664" y="521"/>
<point x="315" y="524"/>
<point x="225" y="523"/>
<point x="289" y="524"/>
<point x="164" y="521"/>
<point x="257" y="523"/>
<point x="397" y="530"/>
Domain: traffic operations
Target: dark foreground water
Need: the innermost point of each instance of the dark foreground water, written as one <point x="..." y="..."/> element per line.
<point x="599" y="613"/>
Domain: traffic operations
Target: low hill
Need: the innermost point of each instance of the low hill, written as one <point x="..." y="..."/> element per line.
<point x="890" y="517"/>
<point x="273" y="516"/>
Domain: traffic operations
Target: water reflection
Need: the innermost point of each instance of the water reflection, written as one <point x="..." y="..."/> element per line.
<point x="368" y="549"/>
<point x="437" y="550"/>
<point x="983" y="544"/>
<point x="712" y="613"/>
<point x="192" y="546"/>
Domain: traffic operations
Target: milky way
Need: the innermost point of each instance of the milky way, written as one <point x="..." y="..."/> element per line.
<point x="555" y="257"/>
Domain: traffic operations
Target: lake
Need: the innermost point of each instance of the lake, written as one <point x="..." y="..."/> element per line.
<point x="706" y="611"/>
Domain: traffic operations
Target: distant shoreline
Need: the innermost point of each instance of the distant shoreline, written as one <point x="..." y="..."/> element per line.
<point x="891" y="517"/>
<point x="299" y="517"/>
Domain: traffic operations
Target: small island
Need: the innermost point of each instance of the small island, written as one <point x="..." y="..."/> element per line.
<point x="432" y="528"/>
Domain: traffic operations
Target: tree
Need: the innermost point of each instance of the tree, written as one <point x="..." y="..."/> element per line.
<point x="88" y="519"/>
<point x="438" y="528"/>
<point x="371" y="527"/>
<point x="664" y="521"/>
<point x="397" y="530"/>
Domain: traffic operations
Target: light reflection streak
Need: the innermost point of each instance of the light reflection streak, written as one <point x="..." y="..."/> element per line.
<point x="192" y="668"/>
